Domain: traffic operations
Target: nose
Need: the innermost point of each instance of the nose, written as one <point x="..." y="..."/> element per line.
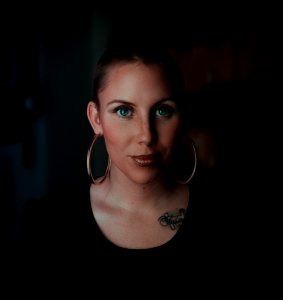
<point x="146" y="132"/>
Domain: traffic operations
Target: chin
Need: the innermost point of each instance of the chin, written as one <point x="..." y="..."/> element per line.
<point x="144" y="178"/>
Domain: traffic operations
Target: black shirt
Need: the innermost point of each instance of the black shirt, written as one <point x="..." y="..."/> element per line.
<point x="62" y="225"/>
<point x="60" y="237"/>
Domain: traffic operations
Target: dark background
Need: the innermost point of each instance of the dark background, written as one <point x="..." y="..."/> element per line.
<point x="229" y="56"/>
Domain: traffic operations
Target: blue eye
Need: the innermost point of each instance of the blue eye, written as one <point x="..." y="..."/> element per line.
<point x="164" y="111"/>
<point x="124" y="112"/>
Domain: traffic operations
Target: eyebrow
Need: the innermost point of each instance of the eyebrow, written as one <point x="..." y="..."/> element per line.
<point x="132" y="104"/>
<point x="120" y="102"/>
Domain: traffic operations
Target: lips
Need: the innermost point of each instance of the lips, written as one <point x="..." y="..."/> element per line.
<point x="145" y="160"/>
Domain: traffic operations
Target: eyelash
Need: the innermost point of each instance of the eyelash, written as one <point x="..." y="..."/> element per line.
<point x="120" y="108"/>
<point x="169" y="111"/>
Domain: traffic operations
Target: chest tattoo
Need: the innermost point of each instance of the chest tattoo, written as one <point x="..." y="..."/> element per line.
<point x="172" y="219"/>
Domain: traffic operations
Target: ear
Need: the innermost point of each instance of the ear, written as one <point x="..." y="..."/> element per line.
<point x="93" y="117"/>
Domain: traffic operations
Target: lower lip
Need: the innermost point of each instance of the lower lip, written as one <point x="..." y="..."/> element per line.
<point x="144" y="162"/>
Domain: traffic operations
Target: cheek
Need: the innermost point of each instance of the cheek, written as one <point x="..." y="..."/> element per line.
<point x="169" y="134"/>
<point x="114" y="136"/>
<point x="110" y="136"/>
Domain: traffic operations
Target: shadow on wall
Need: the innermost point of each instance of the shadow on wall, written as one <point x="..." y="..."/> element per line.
<point x="45" y="84"/>
<point x="233" y="124"/>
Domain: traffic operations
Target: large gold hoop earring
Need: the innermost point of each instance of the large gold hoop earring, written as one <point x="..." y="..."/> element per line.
<point x="88" y="159"/>
<point x="194" y="166"/>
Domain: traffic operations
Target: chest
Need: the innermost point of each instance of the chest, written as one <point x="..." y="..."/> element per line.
<point x="136" y="231"/>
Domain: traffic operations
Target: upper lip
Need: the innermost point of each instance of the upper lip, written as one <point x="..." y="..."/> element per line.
<point x="145" y="157"/>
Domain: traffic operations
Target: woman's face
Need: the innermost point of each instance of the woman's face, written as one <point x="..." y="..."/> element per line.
<point x="139" y="121"/>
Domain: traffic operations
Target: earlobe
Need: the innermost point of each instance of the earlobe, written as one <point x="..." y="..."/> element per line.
<point x="93" y="117"/>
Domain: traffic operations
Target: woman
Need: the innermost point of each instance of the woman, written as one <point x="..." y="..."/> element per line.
<point x="141" y="202"/>
<point x="146" y="215"/>
<point x="146" y="204"/>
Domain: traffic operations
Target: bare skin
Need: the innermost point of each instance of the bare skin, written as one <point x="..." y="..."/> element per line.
<point x="134" y="224"/>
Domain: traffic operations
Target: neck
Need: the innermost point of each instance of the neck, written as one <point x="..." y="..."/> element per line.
<point x="132" y="195"/>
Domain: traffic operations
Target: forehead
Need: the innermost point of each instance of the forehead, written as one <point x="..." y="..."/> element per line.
<point x="135" y="74"/>
<point x="136" y="83"/>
